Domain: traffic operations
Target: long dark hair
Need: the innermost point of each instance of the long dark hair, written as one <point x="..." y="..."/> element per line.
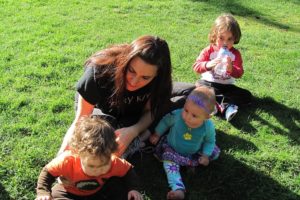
<point x="150" y="49"/>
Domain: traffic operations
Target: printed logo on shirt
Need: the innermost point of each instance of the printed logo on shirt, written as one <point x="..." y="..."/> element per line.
<point x="88" y="184"/>
<point x="136" y="99"/>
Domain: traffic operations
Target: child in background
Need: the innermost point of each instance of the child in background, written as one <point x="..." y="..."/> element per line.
<point x="191" y="139"/>
<point x="89" y="170"/>
<point x="225" y="32"/>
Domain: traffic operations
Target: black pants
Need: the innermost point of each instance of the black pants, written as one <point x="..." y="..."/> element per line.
<point x="179" y="93"/>
<point x="232" y="94"/>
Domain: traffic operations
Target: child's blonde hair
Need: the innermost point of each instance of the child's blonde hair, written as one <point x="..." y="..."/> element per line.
<point x="94" y="136"/>
<point x="204" y="97"/>
<point x="225" y="22"/>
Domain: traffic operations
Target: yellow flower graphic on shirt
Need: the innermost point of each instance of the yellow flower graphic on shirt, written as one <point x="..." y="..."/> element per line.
<point x="187" y="136"/>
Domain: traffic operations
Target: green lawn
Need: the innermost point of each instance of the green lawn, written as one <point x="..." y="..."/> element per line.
<point x="43" y="45"/>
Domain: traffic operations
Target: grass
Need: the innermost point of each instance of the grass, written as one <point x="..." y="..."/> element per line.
<point x="43" y="45"/>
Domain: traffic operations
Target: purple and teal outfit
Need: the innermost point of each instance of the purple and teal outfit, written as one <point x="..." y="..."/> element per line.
<point x="183" y="146"/>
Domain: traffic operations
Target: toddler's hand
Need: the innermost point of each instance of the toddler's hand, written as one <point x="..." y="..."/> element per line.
<point x="229" y="65"/>
<point x="211" y="64"/>
<point x="134" y="195"/>
<point x="154" y="138"/>
<point x="203" y="160"/>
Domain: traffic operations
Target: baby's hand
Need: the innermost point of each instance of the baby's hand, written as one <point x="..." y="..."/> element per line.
<point x="43" y="197"/>
<point x="134" y="195"/>
<point x="203" y="160"/>
<point x="154" y="138"/>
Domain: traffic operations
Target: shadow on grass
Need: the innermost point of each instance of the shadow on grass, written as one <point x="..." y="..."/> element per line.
<point x="287" y="117"/>
<point x="228" y="178"/>
<point x="227" y="142"/>
<point x="237" y="9"/>
<point x="3" y="193"/>
<point x="225" y="178"/>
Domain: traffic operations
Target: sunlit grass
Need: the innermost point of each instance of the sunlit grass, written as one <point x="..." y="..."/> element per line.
<point x="43" y="45"/>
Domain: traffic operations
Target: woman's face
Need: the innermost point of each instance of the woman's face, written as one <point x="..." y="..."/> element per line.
<point x="93" y="165"/>
<point x="225" y="38"/>
<point x="139" y="74"/>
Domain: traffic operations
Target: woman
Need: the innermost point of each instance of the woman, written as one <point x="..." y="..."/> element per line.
<point x="130" y="83"/>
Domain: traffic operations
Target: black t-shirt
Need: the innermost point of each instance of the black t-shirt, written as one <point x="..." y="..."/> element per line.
<point x="97" y="91"/>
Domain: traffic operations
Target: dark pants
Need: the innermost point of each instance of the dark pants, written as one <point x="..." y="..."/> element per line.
<point x="232" y="94"/>
<point x="113" y="189"/>
<point x="179" y="93"/>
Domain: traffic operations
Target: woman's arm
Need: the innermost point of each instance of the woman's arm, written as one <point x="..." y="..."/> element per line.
<point x="145" y="120"/>
<point x="84" y="109"/>
<point x="127" y="134"/>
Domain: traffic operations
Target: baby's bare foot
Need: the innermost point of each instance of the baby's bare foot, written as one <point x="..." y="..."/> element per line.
<point x="175" y="195"/>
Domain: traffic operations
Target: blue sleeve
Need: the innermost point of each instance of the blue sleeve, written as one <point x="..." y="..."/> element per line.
<point x="209" y="141"/>
<point x="165" y="123"/>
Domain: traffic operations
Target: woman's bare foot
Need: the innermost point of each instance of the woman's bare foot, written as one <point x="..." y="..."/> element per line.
<point x="177" y="194"/>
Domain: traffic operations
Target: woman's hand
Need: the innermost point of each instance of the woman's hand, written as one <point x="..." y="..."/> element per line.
<point x="154" y="138"/>
<point x="124" y="137"/>
<point x="203" y="160"/>
<point x="134" y="195"/>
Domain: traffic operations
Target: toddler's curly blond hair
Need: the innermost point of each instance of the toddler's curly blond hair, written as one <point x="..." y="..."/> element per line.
<point x="95" y="136"/>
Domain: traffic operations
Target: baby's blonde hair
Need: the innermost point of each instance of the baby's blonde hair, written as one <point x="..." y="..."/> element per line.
<point x="94" y="136"/>
<point x="204" y="97"/>
<point x="225" y="22"/>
